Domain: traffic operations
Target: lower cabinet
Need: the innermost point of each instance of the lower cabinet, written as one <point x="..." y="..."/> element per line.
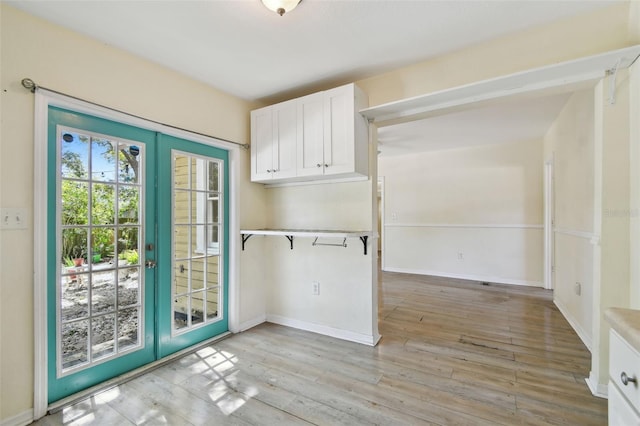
<point x="621" y="413"/>
<point x="624" y="374"/>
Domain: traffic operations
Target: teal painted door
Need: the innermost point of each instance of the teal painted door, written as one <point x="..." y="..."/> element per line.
<point x="113" y="215"/>
<point x="193" y="262"/>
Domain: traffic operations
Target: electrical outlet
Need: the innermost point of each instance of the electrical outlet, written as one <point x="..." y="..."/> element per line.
<point x="578" y="288"/>
<point x="315" y="288"/>
<point x="13" y="218"/>
<point x="394" y="216"/>
<point x="461" y="256"/>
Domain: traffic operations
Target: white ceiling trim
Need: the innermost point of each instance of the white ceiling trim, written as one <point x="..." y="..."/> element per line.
<point x="562" y="77"/>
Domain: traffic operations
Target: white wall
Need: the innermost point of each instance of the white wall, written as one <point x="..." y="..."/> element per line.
<point x="473" y="213"/>
<point x="569" y="144"/>
<point x="346" y="305"/>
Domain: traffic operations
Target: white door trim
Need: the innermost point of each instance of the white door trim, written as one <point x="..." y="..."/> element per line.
<point x="548" y="225"/>
<point x="560" y="77"/>
<point x="381" y="183"/>
<point x="44" y="99"/>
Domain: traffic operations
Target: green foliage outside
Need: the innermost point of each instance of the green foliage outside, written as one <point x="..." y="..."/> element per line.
<point x="131" y="256"/>
<point x="75" y="208"/>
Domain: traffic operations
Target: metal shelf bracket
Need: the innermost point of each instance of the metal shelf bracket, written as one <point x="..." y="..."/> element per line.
<point x="245" y="237"/>
<point x="364" y="239"/>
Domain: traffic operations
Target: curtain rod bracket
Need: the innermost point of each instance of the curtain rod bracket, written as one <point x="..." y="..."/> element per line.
<point x="613" y="73"/>
<point x="31" y="85"/>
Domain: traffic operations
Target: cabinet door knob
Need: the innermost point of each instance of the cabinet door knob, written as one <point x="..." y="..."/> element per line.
<point x="269" y="171"/>
<point x="319" y="165"/>
<point x="626" y="379"/>
<point x="326" y="165"/>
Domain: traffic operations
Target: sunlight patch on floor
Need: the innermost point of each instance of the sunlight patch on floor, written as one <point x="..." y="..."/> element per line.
<point x="109" y="395"/>
<point x="225" y="391"/>
<point x="81" y="414"/>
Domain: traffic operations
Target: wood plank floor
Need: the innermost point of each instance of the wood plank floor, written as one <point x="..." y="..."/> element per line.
<point x="453" y="352"/>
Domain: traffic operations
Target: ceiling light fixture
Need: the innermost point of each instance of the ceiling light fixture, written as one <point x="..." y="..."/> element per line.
<point x="281" y="6"/>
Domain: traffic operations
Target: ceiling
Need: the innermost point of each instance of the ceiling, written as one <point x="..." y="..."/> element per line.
<point x="240" y="47"/>
<point x="244" y="49"/>
<point x="516" y="120"/>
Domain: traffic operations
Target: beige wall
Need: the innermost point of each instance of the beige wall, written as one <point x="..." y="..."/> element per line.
<point x="596" y="32"/>
<point x="569" y="145"/>
<point x="634" y="199"/>
<point x="472" y="213"/>
<point x="71" y="63"/>
<point x="68" y="62"/>
<point x="612" y="134"/>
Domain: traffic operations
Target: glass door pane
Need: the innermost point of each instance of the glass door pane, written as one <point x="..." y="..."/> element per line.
<point x="195" y="271"/>
<point x="100" y="274"/>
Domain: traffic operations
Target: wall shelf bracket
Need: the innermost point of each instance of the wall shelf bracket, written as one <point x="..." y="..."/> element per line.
<point x="364" y="239"/>
<point x="290" y="238"/>
<point x="245" y="237"/>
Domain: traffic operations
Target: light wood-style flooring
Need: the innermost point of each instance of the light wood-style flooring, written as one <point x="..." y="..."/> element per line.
<point x="453" y="352"/>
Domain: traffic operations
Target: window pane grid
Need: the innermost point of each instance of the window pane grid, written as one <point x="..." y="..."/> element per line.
<point x="196" y="206"/>
<point x="100" y="290"/>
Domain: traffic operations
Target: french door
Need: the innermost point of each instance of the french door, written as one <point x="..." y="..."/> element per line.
<point x="137" y="242"/>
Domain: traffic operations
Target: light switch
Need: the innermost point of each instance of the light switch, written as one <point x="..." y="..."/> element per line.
<point x="13" y="218"/>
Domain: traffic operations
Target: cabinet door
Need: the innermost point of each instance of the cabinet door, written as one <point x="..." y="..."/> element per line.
<point x="285" y="138"/>
<point x="310" y="151"/>
<point x="339" y="137"/>
<point x="620" y="411"/>
<point x="261" y="144"/>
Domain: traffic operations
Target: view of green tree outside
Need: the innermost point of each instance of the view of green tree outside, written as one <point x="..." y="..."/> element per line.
<point x="107" y="198"/>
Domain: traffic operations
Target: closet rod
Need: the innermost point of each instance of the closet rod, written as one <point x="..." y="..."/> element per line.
<point x="316" y="243"/>
<point x="30" y="85"/>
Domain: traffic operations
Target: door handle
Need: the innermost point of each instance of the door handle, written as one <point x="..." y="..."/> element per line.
<point x="150" y="264"/>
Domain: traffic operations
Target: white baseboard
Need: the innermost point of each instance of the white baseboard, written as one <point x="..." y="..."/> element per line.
<point x="582" y="334"/>
<point x="597" y="389"/>
<point x="351" y="336"/>
<point x="21" y="419"/>
<point x="252" y="323"/>
<point x="490" y="279"/>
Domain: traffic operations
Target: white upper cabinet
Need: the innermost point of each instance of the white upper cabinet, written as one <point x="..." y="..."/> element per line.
<point x="310" y="161"/>
<point x="261" y="144"/>
<point x="345" y="132"/>
<point x="273" y="142"/>
<point x="285" y="138"/>
<point x="323" y="134"/>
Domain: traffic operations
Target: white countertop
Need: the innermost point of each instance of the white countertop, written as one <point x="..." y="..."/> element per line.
<point x="627" y="323"/>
